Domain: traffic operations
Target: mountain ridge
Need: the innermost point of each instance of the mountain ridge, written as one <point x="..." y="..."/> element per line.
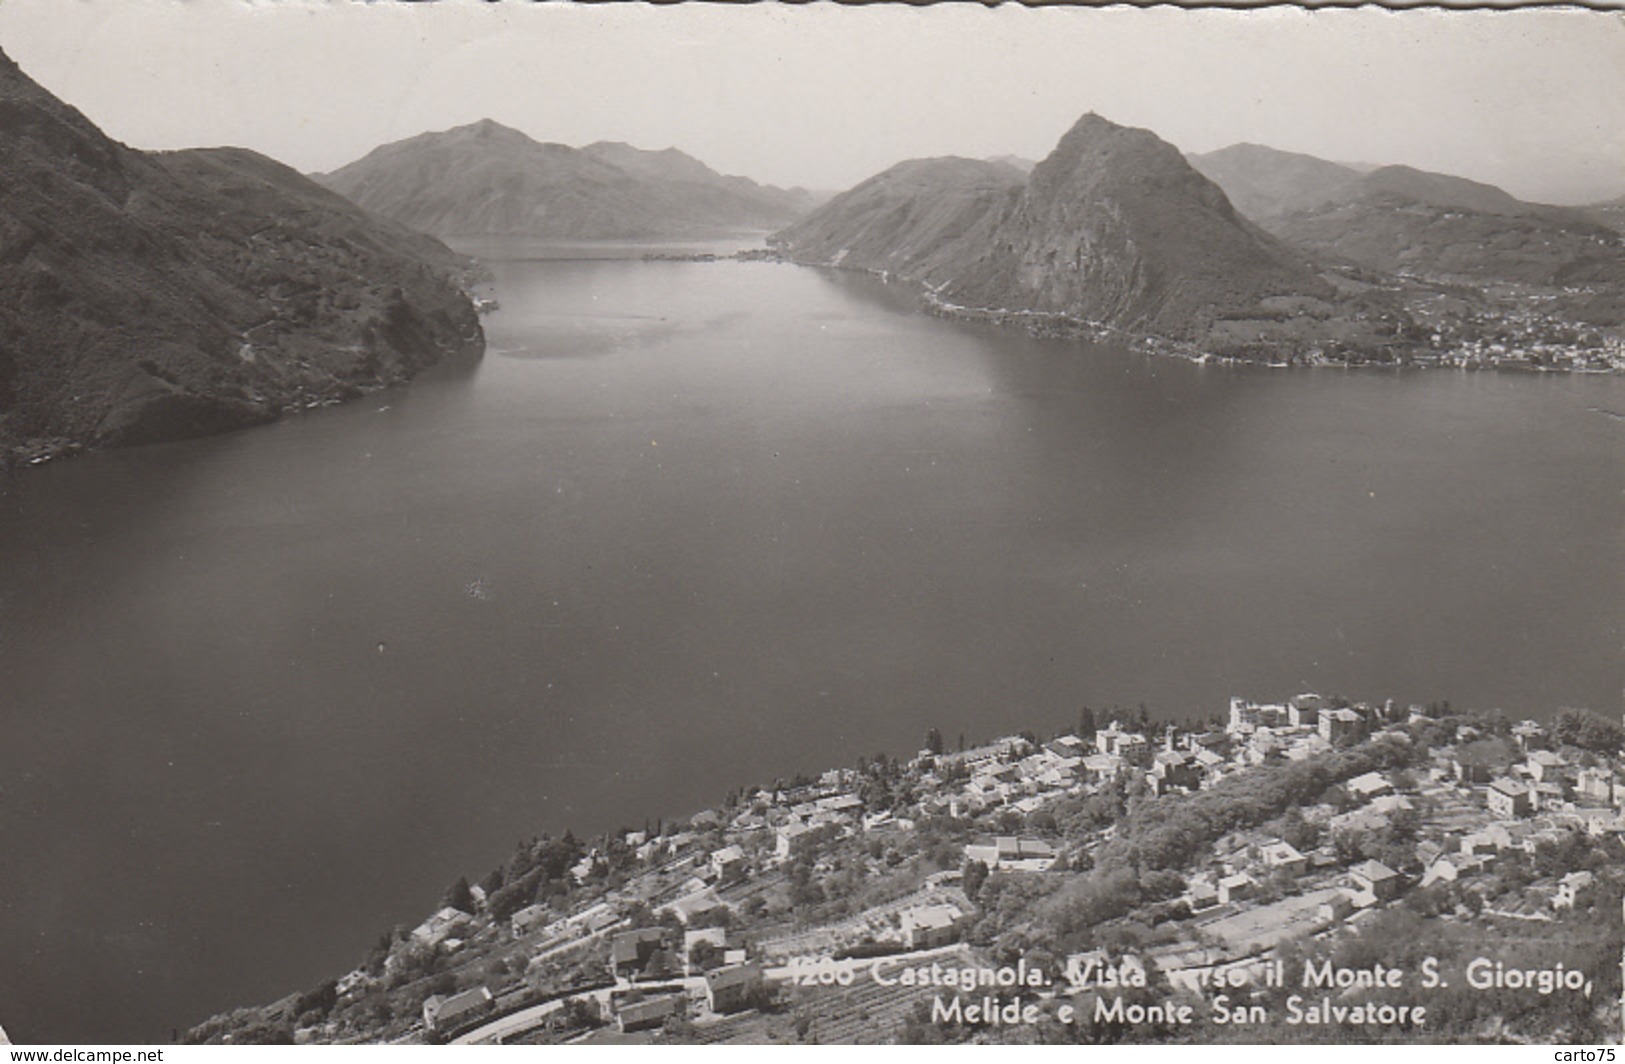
<point x="484" y="179"/>
<point x="1261" y="181"/>
<point x="155" y="296"/>
<point x="917" y="218"/>
<point x="1402" y="219"/>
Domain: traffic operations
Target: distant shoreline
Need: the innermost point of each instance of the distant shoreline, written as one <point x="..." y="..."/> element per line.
<point x="1062" y="326"/>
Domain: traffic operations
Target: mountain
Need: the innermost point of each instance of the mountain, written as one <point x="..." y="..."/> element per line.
<point x="487" y="179"/>
<point x="1024" y="165"/>
<point x="1401" y="220"/>
<point x="732" y="200"/>
<point x="1114" y="226"/>
<point x="153" y="296"/>
<point x="1437" y="190"/>
<point x="921" y="219"/>
<point x="1261" y="182"/>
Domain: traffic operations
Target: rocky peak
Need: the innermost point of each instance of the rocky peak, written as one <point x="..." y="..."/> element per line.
<point x="1116" y="226"/>
<point x="1097" y="154"/>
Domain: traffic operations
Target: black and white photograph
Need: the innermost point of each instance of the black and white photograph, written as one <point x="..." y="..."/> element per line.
<point x="805" y="524"/>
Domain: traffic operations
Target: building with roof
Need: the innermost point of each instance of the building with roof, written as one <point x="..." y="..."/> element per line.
<point x="728" y="863"/>
<point x="1284" y="857"/>
<point x="648" y="1013"/>
<point x="791" y="839"/>
<point x="1341" y="726"/>
<point x="1571" y="888"/>
<point x="1337" y="906"/>
<point x="633" y="954"/>
<point x="734" y="988"/>
<point x="1529" y="735"/>
<point x="1547" y="796"/>
<point x="693" y="905"/>
<point x="929" y="926"/>
<point x="1235" y="887"/>
<point x="1173" y="770"/>
<point x="442" y="1014"/>
<point x="1012" y="853"/>
<point x="1508" y="799"/>
<point x="1097" y="768"/>
<point x="1543" y="766"/>
<point x="1303" y="711"/>
<point x="1246" y="716"/>
<point x="529" y="919"/>
<point x="1200" y="894"/>
<point x="1595" y="784"/>
<point x="1377" y="879"/>
<point x="1067" y="746"/>
<point x="1369" y="786"/>
<point x="1118" y="741"/>
<point x="442" y="925"/>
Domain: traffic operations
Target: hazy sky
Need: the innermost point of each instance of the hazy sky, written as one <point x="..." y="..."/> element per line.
<point x="824" y="96"/>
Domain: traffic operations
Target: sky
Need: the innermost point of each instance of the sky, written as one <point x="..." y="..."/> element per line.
<point x="824" y="96"/>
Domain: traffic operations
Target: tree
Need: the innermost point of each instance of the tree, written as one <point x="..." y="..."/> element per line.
<point x="721" y="916"/>
<point x="513" y="897"/>
<point x="459" y="897"/>
<point x="319" y="1001"/>
<point x="933" y="741"/>
<point x="263" y="1032"/>
<point x="975" y="876"/>
<point x="677" y="1028"/>
<point x="1587" y="730"/>
<point x="1086" y="723"/>
<point x="1298" y="832"/>
<point x="703" y="956"/>
<point x="582" y="1012"/>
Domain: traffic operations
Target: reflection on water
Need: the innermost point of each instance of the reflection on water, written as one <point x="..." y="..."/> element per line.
<point x="693" y="525"/>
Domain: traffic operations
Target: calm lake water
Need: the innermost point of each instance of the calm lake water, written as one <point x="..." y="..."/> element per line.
<point x="690" y="526"/>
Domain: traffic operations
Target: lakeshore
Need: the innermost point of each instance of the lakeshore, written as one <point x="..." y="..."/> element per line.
<point x="1448" y="323"/>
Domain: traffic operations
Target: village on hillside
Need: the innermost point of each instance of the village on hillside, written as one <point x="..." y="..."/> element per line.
<point x="1261" y="876"/>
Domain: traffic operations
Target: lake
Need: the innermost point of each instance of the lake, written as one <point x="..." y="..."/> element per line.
<point x="690" y="526"/>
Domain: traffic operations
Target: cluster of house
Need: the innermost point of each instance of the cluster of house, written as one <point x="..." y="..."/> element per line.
<point x="1526" y="778"/>
<point x="661" y="973"/>
<point x="1534" y="796"/>
<point x="1239" y="872"/>
<point x="1532" y="793"/>
<point x="1302" y="727"/>
<point x="1019" y="775"/>
<point x="1010" y="772"/>
<point x="1533" y="344"/>
<point x="1537" y="797"/>
<point x="589" y="921"/>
